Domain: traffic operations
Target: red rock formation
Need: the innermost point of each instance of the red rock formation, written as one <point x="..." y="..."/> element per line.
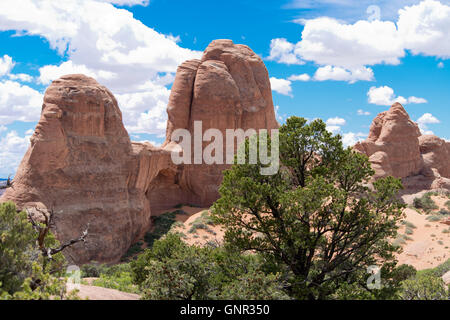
<point x="228" y="89"/>
<point x="82" y="163"/>
<point x="395" y="147"/>
<point x="436" y="154"/>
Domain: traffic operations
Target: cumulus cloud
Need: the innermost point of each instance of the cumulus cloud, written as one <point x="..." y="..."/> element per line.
<point x="6" y="64"/>
<point x="421" y="29"/>
<point x="282" y="86"/>
<point x="425" y="120"/>
<point x="384" y="96"/>
<point x="134" y="61"/>
<point x="282" y="51"/>
<point x="440" y="65"/>
<point x="300" y="77"/>
<point x="341" y="74"/>
<point x="350" y="138"/>
<point x="334" y="124"/>
<point x="12" y="149"/>
<point x="336" y="121"/>
<point x="18" y="102"/>
<point x="23" y="77"/>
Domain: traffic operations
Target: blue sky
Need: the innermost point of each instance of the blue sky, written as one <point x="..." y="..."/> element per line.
<point x="340" y="60"/>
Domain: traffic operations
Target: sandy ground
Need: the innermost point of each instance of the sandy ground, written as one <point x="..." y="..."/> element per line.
<point x="99" y="293"/>
<point x="199" y="237"/>
<point x="429" y="246"/>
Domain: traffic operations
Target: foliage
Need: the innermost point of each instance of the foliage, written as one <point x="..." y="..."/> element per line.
<point x="426" y="284"/>
<point x="425" y="287"/>
<point x="447" y="204"/>
<point x="173" y="270"/>
<point x="25" y="272"/>
<point x="161" y="226"/>
<point x="315" y="218"/>
<point x="132" y="251"/>
<point x="425" y="203"/>
<point x="117" y="277"/>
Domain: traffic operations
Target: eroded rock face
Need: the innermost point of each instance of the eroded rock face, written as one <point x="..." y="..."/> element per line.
<point x="82" y="164"/>
<point x="228" y="88"/>
<point x="78" y="164"/>
<point x="436" y="154"/>
<point x="395" y="147"/>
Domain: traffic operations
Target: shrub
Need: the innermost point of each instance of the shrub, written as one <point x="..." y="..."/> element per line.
<point x="25" y="273"/>
<point x="161" y="226"/>
<point x="447" y="204"/>
<point x="174" y="270"/>
<point x="132" y="251"/>
<point x="424" y="287"/>
<point x="117" y="277"/>
<point x="434" y="218"/>
<point x="425" y="203"/>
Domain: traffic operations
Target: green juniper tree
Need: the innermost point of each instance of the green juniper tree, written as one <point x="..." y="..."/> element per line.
<point x="317" y="220"/>
<point x="31" y="261"/>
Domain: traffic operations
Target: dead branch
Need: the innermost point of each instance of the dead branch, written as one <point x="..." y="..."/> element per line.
<point x="43" y="229"/>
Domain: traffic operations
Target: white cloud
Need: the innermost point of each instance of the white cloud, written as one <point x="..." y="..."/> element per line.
<point x="6" y="65"/>
<point x="425" y="120"/>
<point x="384" y="96"/>
<point x="422" y="29"/>
<point x="416" y="100"/>
<point x="361" y="112"/>
<point x="19" y="102"/>
<point x="428" y="118"/>
<point x="440" y="65"/>
<point x="341" y="74"/>
<point x="333" y="129"/>
<point x="134" y="61"/>
<point x="336" y="121"/>
<point x="146" y="111"/>
<point x="300" y="77"/>
<point x="21" y="77"/>
<point x="282" y="86"/>
<point x="350" y="138"/>
<point x="278" y="116"/>
<point x="12" y="149"/>
<point x="334" y="124"/>
<point x="282" y="51"/>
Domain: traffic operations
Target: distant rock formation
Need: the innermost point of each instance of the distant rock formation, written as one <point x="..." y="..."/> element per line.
<point x="82" y="164"/>
<point x="396" y="147"/>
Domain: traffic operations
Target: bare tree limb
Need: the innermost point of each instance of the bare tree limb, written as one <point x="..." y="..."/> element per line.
<point x="43" y="229"/>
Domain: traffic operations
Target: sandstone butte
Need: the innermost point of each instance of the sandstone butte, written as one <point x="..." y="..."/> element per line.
<point x="82" y="164"/>
<point x="396" y="147"/>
